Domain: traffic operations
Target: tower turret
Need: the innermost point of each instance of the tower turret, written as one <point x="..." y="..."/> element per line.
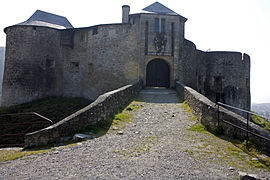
<point x="125" y="14"/>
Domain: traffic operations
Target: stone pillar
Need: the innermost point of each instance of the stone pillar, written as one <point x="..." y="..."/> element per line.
<point x="125" y="14"/>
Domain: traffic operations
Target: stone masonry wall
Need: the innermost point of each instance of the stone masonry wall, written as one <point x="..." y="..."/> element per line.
<point x="220" y="76"/>
<point x="207" y="113"/>
<point x="103" y="58"/>
<point x="32" y="64"/>
<point x="98" y="111"/>
<point x="189" y="64"/>
<point x="233" y="68"/>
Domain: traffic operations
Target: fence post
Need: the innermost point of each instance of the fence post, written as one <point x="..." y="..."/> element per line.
<point x="218" y="114"/>
<point x="247" y="129"/>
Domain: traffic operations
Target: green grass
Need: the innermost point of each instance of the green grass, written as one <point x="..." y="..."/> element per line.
<point x="186" y="107"/>
<point x="198" y="127"/>
<point x="261" y="122"/>
<point x="6" y="155"/>
<point x="230" y="150"/>
<point x="115" y="122"/>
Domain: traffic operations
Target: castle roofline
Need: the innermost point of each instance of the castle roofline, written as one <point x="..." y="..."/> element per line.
<point x="159" y="9"/>
<point x="46" y="19"/>
<point x="182" y="17"/>
<point x="35" y="25"/>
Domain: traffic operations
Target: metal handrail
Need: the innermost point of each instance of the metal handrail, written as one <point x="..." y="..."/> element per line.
<point x="23" y="123"/>
<point x="27" y="113"/>
<point x="239" y="109"/>
<point x="247" y="123"/>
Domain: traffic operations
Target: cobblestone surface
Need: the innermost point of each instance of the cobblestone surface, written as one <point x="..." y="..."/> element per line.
<point x="155" y="145"/>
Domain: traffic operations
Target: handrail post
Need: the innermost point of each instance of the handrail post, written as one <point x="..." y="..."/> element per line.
<point x="247" y="129"/>
<point x="218" y="113"/>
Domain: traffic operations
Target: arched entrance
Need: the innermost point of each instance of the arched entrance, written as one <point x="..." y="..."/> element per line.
<point x="157" y="73"/>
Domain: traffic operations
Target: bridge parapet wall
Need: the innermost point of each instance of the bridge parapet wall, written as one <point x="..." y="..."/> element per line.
<point x="98" y="111"/>
<point x="206" y="112"/>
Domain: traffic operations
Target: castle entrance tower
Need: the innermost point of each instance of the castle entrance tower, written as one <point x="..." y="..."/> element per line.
<point x="161" y="46"/>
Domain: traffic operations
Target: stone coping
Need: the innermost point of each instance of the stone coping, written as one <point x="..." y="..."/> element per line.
<point x="98" y="111"/>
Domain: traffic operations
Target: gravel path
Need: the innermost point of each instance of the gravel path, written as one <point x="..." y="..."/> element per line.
<point x="155" y="145"/>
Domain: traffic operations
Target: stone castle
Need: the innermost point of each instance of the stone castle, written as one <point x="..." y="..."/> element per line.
<point x="47" y="56"/>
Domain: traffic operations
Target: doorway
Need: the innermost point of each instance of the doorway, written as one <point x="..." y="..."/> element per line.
<point x="157" y="73"/>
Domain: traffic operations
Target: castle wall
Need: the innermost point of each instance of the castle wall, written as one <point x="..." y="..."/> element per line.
<point x="32" y="64"/>
<point x="230" y="71"/>
<point x="103" y="58"/>
<point x="189" y="65"/>
<point x="87" y="62"/>
<point x="220" y="76"/>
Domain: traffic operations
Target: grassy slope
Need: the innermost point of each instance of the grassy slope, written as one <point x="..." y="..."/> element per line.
<point x="54" y="108"/>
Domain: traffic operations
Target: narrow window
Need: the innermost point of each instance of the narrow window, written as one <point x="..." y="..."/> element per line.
<point x="156" y="25"/>
<point x="247" y="82"/>
<point x="200" y="80"/>
<point x="90" y="68"/>
<point x="95" y="30"/>
<point x="146" y="38"/>
<point x="163" y="25"/>
<point x="50" y="63"/>
<point x="82" y="37"/>
<point x="218" y="83"/>
<point x="75" y="66"/>
<point x="172" y="29"/>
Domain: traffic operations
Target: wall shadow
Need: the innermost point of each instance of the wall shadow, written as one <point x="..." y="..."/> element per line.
<point x="158" y="95"/>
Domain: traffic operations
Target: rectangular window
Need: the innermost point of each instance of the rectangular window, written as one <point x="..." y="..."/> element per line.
<point x="146" y="38"/>
<point x="172" y="38"/>
<point x="156" y="25"/>
<point x="163" y="25"/>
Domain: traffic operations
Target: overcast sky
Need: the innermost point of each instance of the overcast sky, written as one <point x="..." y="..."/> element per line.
<point x="219" y="25"/>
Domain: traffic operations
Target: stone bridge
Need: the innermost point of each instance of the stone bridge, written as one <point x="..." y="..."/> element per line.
<point x="161" y="141"/>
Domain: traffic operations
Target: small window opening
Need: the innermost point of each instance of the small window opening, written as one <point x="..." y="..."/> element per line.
<point x="156" y="25"/>
<point x="90" y="67"/>
<point x="163" y="25"/>
<point x="200" y="79"/>
<point x="218" y="83"/>
<point x="50" y="63"/>
<point x="146" y="38"/>
<point x="82" y="37"/>
<point x="247" y="82"/>
<point x="75" y="66"/>
<point x="95" y="30"/>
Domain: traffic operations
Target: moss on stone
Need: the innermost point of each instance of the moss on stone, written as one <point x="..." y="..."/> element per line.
<point x="198" y="127"/>
<point x="260" y="122"/>
<point x="186" y="107"/>
<point x="115" y="122"/>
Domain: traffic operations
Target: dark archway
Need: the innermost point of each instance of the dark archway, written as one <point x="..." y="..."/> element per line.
<point x="157" y="73"/>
